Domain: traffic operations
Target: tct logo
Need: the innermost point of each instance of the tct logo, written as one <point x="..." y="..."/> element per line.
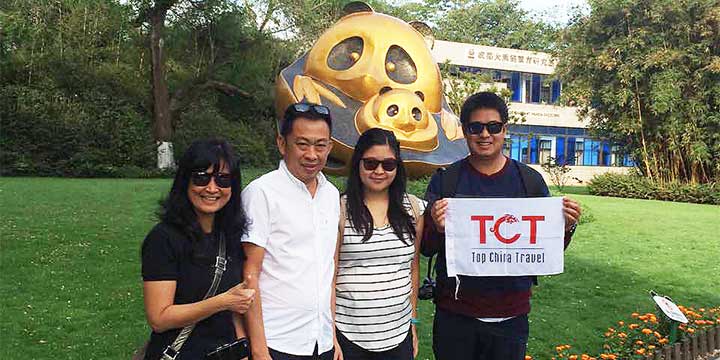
<point x="506" y="219"/>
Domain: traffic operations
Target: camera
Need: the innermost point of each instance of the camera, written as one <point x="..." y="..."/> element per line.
<point x="427" y="289"/>
<point x="236" y="350"/>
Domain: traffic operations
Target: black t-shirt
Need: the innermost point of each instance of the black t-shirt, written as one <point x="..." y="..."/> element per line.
<point x="169" y="254"/>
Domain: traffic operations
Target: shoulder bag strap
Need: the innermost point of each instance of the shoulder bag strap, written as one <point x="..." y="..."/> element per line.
<point x="172" y="351"/>
<point x="343" y="216"/>
<point x="415" y="205"/>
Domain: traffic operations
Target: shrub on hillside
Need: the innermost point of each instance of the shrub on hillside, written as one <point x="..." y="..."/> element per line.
<point x="635" y="186"/>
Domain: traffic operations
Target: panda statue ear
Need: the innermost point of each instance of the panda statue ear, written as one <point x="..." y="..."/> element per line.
<point x="425" y="30"/>
<point x="356" y="7"/>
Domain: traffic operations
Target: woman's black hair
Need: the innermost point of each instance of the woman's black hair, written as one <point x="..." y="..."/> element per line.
<point x="177" y="210"/>
<point x="358" y="214"/>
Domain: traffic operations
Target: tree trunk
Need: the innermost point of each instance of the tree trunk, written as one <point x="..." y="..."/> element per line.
<point x="646" y="159"/>
<point x="162" y="121"/>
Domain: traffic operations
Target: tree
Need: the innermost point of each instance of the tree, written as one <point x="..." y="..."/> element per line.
<point x="205" y="18"/>
<point x="647" y="74"/>
<point x="499" y="23"/>
<point x="558" y="172"/>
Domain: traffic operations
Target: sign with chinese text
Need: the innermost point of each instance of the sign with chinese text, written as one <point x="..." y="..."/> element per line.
<point x="504" y="237"/>
<point x="670" y="309"/>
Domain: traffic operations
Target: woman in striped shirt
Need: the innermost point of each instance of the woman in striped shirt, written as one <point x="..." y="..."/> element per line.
<point x="377" y="256"/>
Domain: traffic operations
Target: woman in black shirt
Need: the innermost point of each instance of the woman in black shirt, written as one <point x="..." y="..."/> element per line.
<point x="178" y="255"/>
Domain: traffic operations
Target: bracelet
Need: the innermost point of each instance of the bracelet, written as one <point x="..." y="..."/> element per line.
<point x="414" y="321"/>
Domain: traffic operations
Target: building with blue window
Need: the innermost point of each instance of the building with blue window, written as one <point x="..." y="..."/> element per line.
<point x="548" y="130"/>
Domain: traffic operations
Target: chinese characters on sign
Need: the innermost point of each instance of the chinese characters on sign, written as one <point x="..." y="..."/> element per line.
<point x="500" y="237"/>
<point x="509" y="57"/>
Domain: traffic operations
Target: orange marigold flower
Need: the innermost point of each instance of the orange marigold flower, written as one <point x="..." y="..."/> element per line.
<point x="639" y="342"/>
<point x="663" y="341"/>
<point x="651" y="347"/>
<point x="657" y="334"/>
<point x="647" y="331"/>
<point x="634" y="315"/>
<point x="640" y="351"/>
<point x="528" y="357"/>
<point x="633" y="326"/>
<point x="573" y="357"/>
<point x="621" y="323"/>
<point x="622" y="335"/>
<point x="691" y="330"/>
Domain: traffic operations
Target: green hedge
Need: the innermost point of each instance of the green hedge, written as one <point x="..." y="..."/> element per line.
<point x="635" y="186"/>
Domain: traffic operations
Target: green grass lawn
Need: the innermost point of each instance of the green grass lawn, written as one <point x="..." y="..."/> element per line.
<point x="71" y="287"/>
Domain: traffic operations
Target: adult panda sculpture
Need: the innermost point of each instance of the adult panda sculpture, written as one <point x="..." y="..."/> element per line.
<point x="375" y="70"/>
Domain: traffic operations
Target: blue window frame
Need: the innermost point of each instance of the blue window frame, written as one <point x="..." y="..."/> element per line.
<point x="555" y="91"/>
<point x="606" y="153"/>
<point x="560" y="150"/>
<point x="515" y="87"/>
<point x="536" y="84"/>
<point x="533" y="150"/>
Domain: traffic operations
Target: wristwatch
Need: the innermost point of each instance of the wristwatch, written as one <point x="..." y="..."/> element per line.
<point x="571" y="230"/>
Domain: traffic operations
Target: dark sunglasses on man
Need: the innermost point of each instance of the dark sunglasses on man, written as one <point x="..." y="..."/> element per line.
<point x="476" y="128"/>
<point x="372" y="164"/>
<point x="201" y="178"/>
<point x="305" y="108"/>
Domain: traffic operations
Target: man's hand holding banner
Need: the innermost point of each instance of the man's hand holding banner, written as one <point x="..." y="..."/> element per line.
<point x="504" y="237"/>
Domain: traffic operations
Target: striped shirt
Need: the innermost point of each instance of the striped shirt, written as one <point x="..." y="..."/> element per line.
<point x="373" y="289"/>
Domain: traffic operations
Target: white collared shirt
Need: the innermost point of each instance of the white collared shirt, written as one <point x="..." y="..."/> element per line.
<point x="299" y="235"/>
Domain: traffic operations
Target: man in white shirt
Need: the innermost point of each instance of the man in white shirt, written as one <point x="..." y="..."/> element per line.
<point x="291" y="241"/>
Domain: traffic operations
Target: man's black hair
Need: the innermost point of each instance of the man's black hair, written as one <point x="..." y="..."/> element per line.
<point x="291" y="115"/>
<point x="483" y="100"/>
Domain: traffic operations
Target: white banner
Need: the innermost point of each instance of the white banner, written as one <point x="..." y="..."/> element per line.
<point x="504" y="237"/>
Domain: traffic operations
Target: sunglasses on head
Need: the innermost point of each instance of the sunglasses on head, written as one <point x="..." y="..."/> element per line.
<point x="387" y="164"/>
<point x="476" y="128"/>
<point x="201" y="178"/>
<point x="303" y="108"/>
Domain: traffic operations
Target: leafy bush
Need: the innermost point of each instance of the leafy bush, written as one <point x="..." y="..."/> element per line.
<point x="634" y="186"/>
<point x="48" y="132"/>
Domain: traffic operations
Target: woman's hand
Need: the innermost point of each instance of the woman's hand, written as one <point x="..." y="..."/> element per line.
<point x="238" y="298"/>
<point x="338" y="355"/>
<point x="415" y="342"/>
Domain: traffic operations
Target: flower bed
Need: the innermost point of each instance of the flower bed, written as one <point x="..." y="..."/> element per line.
<point x="643" y="335"/>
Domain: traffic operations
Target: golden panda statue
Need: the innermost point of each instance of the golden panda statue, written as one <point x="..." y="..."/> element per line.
<point x="375" y="70"/>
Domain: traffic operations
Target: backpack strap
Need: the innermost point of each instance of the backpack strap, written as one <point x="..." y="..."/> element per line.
<point x="532" y="180"/>
<point x="449" y="178"/>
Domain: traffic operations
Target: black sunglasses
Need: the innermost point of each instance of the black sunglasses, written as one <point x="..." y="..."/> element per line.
<point x="304" y="107"/>
<point x="476" y="128"/>
<point x="202" y="178"/>
<point x="387" y="164"/>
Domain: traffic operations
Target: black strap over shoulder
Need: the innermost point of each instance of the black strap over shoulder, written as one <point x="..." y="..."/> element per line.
<point x="449" y="179"/>
<point x="532" y="180"/>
